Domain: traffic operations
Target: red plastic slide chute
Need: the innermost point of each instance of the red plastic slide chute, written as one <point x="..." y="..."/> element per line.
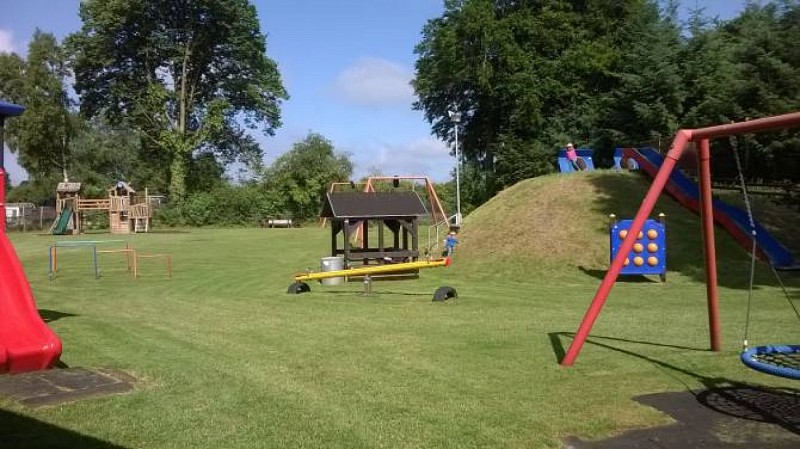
<point x="26" y="343"/>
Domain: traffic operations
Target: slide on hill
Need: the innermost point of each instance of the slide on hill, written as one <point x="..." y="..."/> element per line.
<point x="26" y="343"/>
<point x="733" y="219"/>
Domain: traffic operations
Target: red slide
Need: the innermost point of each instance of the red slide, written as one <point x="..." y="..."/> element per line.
<point x="26" y="343"/>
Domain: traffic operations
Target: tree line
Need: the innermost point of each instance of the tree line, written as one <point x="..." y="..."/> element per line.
<point x="530" y="76"/>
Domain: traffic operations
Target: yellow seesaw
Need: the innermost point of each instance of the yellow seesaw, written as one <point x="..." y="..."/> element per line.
<point x="442" y="293"/>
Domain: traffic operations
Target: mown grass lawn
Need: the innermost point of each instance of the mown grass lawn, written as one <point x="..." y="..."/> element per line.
<point x="227" y="359"/>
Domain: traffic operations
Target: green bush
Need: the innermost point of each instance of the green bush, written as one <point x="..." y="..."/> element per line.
<point x="198" y="209"/>
<point x="224" y="206"/>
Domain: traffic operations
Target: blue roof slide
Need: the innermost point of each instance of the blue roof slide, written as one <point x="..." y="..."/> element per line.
<point x="727" y="215"/>
<point x="565" y="166"/>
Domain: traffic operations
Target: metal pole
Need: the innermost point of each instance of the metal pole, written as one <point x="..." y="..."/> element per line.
<point x="2" y="141"/>
<point x="682" y="137"/>
<point x="50" y="272"/>
<point x="2" y="175"/>
<point x="709" y="250"/>
<point x="458" y="180"/>
<point x="94" y="257"/>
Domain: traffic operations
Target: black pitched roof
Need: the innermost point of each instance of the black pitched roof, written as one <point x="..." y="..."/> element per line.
<point x="373" y="205"/>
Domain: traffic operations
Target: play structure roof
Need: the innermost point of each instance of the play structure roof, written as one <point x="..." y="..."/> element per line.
<point x="122" y="185"/>
<point x="10" y="109"/>
<point x="373" y="205"/>
<point x="68" y="187"/>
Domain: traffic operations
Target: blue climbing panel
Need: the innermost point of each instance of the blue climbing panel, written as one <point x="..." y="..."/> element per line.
<point x="649" y="254"/>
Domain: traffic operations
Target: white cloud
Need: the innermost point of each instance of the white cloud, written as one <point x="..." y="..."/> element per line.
<point x="6" y="41"/>
<point x="374" y="82"/>
<point x="422" y="157"/>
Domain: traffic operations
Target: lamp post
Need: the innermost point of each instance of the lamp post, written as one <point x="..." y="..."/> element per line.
<point x="6" y="110"/>
<point x="455" y="117"/>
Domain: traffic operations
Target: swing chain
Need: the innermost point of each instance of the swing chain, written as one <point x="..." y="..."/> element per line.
<point x="743" y="186"/>
<point x="733" y="141"/>
<point x="735" y="147"/>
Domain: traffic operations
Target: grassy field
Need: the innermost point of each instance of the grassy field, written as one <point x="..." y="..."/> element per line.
<point x="225" y="358"/>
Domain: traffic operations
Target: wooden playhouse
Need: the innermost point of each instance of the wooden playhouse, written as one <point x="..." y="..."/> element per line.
<point x="127" y="213"/>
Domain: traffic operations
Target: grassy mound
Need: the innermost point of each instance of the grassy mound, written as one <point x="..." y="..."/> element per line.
<point x="560" y="222"/>
<point x="553" y="220"/>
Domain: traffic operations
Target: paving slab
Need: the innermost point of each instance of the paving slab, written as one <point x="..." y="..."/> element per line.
<point x="57" y="386"/>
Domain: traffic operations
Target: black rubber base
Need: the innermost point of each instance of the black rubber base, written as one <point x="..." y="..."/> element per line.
<point x="445" y="293"/>
<point x="297" y="288"/>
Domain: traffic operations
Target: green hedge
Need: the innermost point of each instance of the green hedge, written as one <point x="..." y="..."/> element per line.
<point x="224" y="206"/>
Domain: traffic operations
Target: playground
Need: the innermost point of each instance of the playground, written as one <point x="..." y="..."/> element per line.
<point x="218" y="356"/>
<point x="224" y="357"/>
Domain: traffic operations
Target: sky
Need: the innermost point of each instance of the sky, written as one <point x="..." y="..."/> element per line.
<point x="346" y="64"/>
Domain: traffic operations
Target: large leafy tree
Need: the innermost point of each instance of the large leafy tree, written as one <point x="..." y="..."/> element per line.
<point x="764" y="48"/>
<point x="104" y="154"/>
<point x="191" y="76"/>
<point x="43" y="134"/>
<point x="647" y="98"/>
<point x="302" y="175"/>
<point x="527" y="77"/>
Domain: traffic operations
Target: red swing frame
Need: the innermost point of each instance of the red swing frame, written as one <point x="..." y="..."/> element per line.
<point x="702" y="136"/>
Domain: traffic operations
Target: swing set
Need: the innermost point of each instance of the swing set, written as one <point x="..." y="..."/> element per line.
<point x="779" y="360"/>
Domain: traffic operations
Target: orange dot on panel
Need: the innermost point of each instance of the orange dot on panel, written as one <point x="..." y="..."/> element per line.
<point x="626" y="263"/>
<point x="652" y="247"/>
<point x="637" y="247"/>
<point x="652" y="234"/>
<point x="623" y="233"/>
<point x="652" y="261"/>
<point x="638" y="261"/>
<point x="640" y="235"/>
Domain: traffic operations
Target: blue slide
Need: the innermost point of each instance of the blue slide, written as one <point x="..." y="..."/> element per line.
<point x="585" y="154"/>
<point x="735" y="220"/>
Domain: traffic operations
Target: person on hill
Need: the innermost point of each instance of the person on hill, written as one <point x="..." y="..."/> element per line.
<point x="450" y="243"/>
<point x="572" y="157"/>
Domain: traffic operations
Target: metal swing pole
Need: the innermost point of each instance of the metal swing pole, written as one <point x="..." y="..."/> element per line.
<point x="682" y="137"/>
<point x="709" y="246"/>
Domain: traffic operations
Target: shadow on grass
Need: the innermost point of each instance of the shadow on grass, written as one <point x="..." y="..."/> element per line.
<point x="149" y="231"/>
<point x="627" y="278"/>
<point x="52" y="315"/>
<point x="168" y="231"/>
<point x="375" y="292"/>
<point x="558" y="347"/>
<point x="757" y="403"/>
<point x="22" y="432"/>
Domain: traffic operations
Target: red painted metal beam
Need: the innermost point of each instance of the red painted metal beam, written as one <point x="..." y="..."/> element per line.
<point x="709" y="248"/>
<point x="750" y="126"/>
<point x="681" y="138"/>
